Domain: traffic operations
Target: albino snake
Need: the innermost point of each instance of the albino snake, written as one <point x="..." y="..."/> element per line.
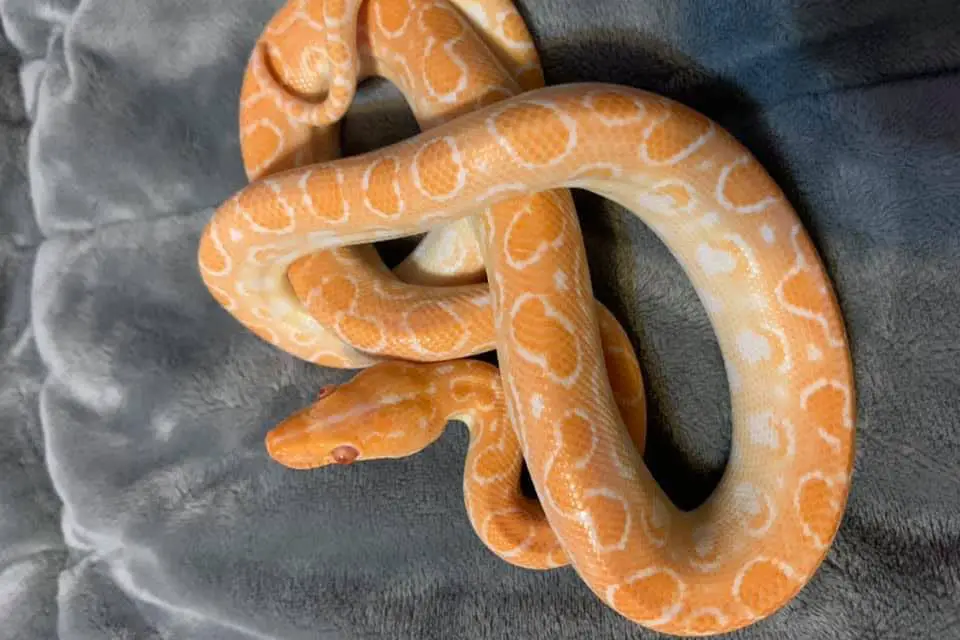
<point x="486" y="178"/>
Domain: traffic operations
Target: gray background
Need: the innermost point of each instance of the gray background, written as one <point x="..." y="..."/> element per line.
<point x="136" y="500"/>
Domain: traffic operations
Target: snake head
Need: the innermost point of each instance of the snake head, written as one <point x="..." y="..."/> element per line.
<point x="386" y="411"/>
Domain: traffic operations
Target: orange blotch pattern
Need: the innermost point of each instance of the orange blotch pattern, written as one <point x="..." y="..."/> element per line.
<point x="437" y="329"/>
<point x="545" y="336"/>
<point x="807" y="291"/>
<point x="674" y="136"/>
<point x="438" y="169"/>
<point x="627" y="385"/>
<point x="269" y="216"/>
<point x="748" y="184"/>
<point x="615" y="108"/>
<point x="515" y="29"/>
<point x="266" y="140"/>
<point x="610" y="519"/>
<point x="531" y="227"/>
<point x="337" y="53"/>
<point x="210" y="257"/>
<point x="651" y="595"/>
<point x="764" y="585"/>
<point x="315" y="10"/>
<point x="818" y="502"/>
<point x="473" y="392"/>
<point x="382" y="192"/>
<point x="556" y="488"/>
<point x="702" y="622"/>
<point x="827" y="408"/>
<point x="445" y="74"/>
<point x="362" y="333"/>
<point x="577" y="436"/>
<point x="442" y="24"/>
<point x="488" y="464"/>
<point x="539" y="146"/>
<point x="326" y="195"/>
<point x="508" y="530"/>
<point x="336" y="293"/>
<point x="393" y="14"/>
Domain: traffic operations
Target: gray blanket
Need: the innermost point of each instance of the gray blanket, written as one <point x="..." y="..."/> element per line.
<point x="136" y="498"/>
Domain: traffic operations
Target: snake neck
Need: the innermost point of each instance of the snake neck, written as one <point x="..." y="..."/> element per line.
<point x="469" y="391"/>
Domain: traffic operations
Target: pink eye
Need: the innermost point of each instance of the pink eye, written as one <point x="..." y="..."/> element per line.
<point x="325" y="391"/>
<point x="344" y="454"/>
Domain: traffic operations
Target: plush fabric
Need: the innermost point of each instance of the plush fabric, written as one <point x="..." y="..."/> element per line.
<point x="137" y="500"/>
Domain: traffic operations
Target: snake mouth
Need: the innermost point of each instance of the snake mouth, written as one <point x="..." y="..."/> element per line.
<point x="289" y="452"/>
<point x="298" y="464"/>
<point x="289" y="444"/>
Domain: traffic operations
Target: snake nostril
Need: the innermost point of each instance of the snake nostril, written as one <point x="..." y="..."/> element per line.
<point x="344" y="454"/>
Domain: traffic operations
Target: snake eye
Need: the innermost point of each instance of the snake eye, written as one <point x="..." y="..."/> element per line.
<point x="325" y="391"/>
<point x="344" y="454"/>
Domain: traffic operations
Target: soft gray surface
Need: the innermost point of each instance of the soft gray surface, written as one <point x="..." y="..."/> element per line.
<point x="132" y="402"/>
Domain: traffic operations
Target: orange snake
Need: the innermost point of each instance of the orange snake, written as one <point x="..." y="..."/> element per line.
<point x="290" y="257"/>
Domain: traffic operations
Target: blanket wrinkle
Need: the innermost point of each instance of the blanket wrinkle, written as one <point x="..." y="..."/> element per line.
<point x="138" y="501"/>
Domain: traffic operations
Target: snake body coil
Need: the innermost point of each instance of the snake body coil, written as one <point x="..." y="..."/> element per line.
<point x="289" y="257"/>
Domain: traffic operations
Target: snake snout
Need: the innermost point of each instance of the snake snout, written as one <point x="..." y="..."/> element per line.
<point x="286" y="445"/>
